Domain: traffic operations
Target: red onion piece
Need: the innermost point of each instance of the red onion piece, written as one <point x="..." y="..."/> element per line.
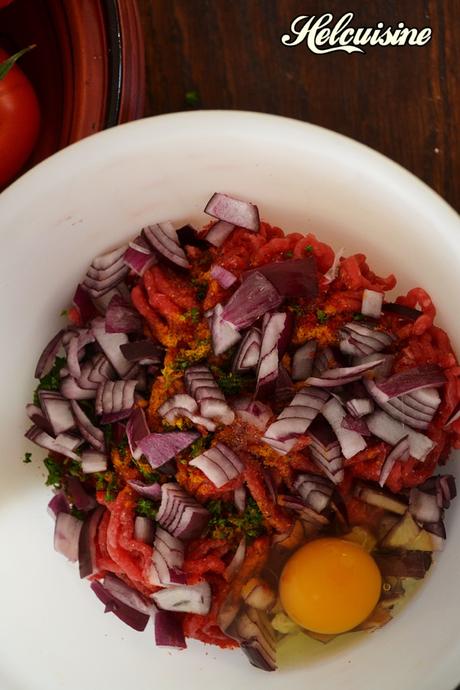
<point x="79" y="495"/>
<point x="350" y="441"/>
<point x="413" y="564"/>
<point x="185" y="599"/>
<point x="159" y="448"/>
<point x="253" y="412"/>
<point x="224" y="334"/>
<point x="257" y="638"/>
<point x="168" y="630"/>
<point x="355" y="424"/>
<point x="152" y="491"/>
<point x="84" y="304"/>
<point x="90" y="433"/>
<point x="167" y="560"/>
<point x="219" y="464"/>
<point x="405" y="408"/>
<point x="302" y="361"/>
<point x="325" y="450"/>
<point x="315" y="490"/>
<point x="325" y="359"/>
<point x="110" y="344"/>
<point x="71" y="390"/>
<point x="139" y="259"/>
<point x="236" y="562"/>
<point x="57" y="411"/>
<point x="390" y="430"/>
<point x="58" y="504"/>
<point x="424" y="376"/>
<point x="44" y="440"/>
<point x="424" y="507"/>
<point x="36" y="415"/>
<point x="239" y="499"/>
<point x="128" y="595"/>
<point x="94" y="371"/>
<point x="236" y="211"/>
<point x="144" y="529"/>
<point x="284" y="388"/>
<point x="178" y="400"/>
<point x="341" y="376"/>
<point x="120" y="317"/>
<point x="143" y="351"/>
<point x="106" y="271"/>
<point x="140" y="244"/>
<point x="248" y="353"/>
<point x="225" y="278"/>
<point x="66" y="535"/>
<point x="87" y="543"/>
<point x="291" y="278"/>
<point x="46" y="360"/>
<point x="399" y="452"/>
<point x="180" y="514"/>
<point x="218" y="233"/>
<point x="188" y="236"/>
<point x="93" y="461"/>
<point x="136" y="429"/>
<point x="381" y="370"/>
<point x="163" y="238"/>
<point x="333" y="272"/>
<point x="372" y="303"/>
<point x="129" y="615"/>
<point x="275" y="337"/>
<point x="115" y="396"/>
<point x="255" y="297"/>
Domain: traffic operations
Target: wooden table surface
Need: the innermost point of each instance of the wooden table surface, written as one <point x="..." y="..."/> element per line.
<point x="403" y="101"/>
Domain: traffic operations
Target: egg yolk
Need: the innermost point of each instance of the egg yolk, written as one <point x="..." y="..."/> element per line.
<point x="330" y="586"/>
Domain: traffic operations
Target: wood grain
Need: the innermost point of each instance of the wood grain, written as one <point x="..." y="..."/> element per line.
<point x="403" y="101"/>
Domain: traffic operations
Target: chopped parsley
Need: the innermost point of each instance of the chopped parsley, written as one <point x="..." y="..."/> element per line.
<point x="199" y="446"/>
<point x="308" y="248"/>
<point x="226" y="523"/>
<point x="228" y="382"/>
<point x="321" y="316"/>
<point x="107" y="482"/>
<point x="58" y="469"/>
<point x="192" y="315"/>
<point x="64" y="312"/>
<point x="358" y="317"/>
<point x="296" y="309"/>
<point x="146" y="508"/>
<point x="146" y="472"/>
<point x="289" y="254"/>
<point x="192" y="98"/>
<point x="52" y="381"/>
<point x="80" y="514"/>
<point x="27" y="458"/>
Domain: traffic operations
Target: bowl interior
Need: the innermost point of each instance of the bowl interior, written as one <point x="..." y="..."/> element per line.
<point x="90" y="197"/>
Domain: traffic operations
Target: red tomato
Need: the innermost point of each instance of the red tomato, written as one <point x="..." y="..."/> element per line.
<point x="19" y="121"/>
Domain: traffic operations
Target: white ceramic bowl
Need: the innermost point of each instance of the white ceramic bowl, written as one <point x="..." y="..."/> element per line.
<point x="95" y="194"/>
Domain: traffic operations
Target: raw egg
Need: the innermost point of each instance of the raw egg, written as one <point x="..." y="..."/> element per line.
<point x="330" y="586"/>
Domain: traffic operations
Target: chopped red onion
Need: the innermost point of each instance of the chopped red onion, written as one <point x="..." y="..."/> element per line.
<point x="325" y="450"/>
<point x="159" y="448"/>
<point x="219" y="464"/>
<point x="90" y="433"/>
<point x="341" y="376"/>
<point x="424" y="376"/>
<point x="185" y="598"/>
<point x="144" y="529"/>
<point x="253" y="412"/>
<point x="291" y="278"/>
<point x="57" y="411"/>
<point x="106" y="271"/>
<point x="151" y="491"/>
<point x="275" y="336"/>
<point x="218" y="233"/>
<point x="139" y="258"/>
<point x="179" y="400"/>
<point x="128" y="595"/>
<point x="36" y="415"/>
<point x="120" y="317"/>
<point x="168" y="630"/>
<point x="129" y="615"/>
<point x="115" y="396"/>
<point x="236" y="211"/>
<point x="390" y="430"/>
<point x="79" y="495"/>
<point x="325" y="359"/>
<point x="44" y="440"/>
<point x="284" y="388"/>
<point x="350" y="441"/>
<point x="188" y="236"/>
<point x="372" y="303"/>
<point x="239" y="499"/>
<point x="237" y="561"/>
<point x="315" y="490"/>
<point x="143" y="352"/>
<point x="180" y="514"/>
<point x="333" y="272"/>
<point x="405" y="408"/>
<point x="248" y="353"/>
<point x="225" y="278"/>
<point x="255" y="297"/>
<point x="224" y="334"/>
<point x="94" y="371"/>
<point x="93" y="461"/>
<point x="424" y="507"/>
<point x="110" y="343"/>
<point x="357" y="424"/>
<point x="167" y="560"/>
<point x="399" y="452"/>
<point x="163" y="238"/>
<point x="87" y="543"/>
<point x="257" y="638"/>
<point x="84" y="304"/>
<point x="302" y="361"/>
<point x="66" y="535"/>
<point x="413" y="564"/>
<point x="381" y="370"/>
<point x="46" y="360"/>
<point x="58" y="504"/>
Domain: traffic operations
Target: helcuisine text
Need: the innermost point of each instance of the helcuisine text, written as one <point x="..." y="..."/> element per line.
<point x="320" y="36"/>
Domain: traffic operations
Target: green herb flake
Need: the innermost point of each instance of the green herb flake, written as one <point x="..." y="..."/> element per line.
<point x="358" y="317"/>
<point x="228" y="382"/>
<point x="55" y="472"/>
<point x="321" y="316"/>
<point x="112" y="488"/>
<point x="52" y="381"/>
<point x="309" y="248"/>
<point x="80" y="514"/>
<point x="226" y="523"/>
<point x="192" y="315"/>
<point x="146" y="508"/>
<point x="64" y="312"/>
<point x="296" y="309"/>
<point x="289" y="254"/>
<point x="192" y="98"/>
<point x="27" y="458"/>
<point x="199" y="446"/>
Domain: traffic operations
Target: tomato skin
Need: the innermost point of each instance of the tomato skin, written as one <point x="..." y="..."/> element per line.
<point x="19" y="121"/>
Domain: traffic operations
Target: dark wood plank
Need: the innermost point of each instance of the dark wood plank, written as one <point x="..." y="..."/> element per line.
<point x="403" y="101"/>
